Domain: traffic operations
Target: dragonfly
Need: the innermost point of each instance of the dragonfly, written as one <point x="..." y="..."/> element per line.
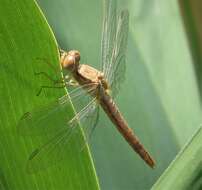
<point x="99" y="88"/>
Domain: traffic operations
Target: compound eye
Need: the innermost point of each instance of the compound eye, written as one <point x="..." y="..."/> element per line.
<point x="69" y="62"/>
<point x="77" y="56"/>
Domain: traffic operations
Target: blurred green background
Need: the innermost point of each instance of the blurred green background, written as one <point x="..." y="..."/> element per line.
<point x="160" y="98"/>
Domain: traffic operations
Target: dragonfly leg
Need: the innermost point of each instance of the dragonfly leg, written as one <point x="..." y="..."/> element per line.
<point x="69" y="81"/>
<point x="55" y="81"/>
<point x="72" y="82"/>
<point x="44" y="87"/>
<point x="49" y="64"/>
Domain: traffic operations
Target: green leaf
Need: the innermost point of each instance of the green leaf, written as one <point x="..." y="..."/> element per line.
<point x="24" y="37"/>
<point x="185" y="171"/>
<point x="159" y="98"/>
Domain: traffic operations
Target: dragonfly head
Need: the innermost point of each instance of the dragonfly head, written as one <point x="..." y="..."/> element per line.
<point x="70" y="60"/>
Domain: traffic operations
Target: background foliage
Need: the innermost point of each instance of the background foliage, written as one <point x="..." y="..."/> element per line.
<point x="24" y="37"/>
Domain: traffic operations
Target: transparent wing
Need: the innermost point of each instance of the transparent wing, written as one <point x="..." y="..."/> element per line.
<point x="53" y="117"/>
<point x="114" y="50"/>
<point x="109" y="32"/>
<point x="91" y="119"/>
<point x="91" y="122"/>
<point x="118" y="76"/>
<point x="115" y="73"/>
<point x="57" y="148"/>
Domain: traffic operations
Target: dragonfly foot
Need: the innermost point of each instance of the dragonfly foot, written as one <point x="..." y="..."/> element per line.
<point x="44" y="87"/>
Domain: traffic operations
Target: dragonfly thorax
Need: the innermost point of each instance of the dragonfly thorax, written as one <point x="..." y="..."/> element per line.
<point x="105" y="84"/>
<point x="70" y="60"/>
<point x="88" y="74"/>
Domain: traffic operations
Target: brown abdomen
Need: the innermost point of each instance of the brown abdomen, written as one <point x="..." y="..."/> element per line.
<point x="114" y="114"/>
